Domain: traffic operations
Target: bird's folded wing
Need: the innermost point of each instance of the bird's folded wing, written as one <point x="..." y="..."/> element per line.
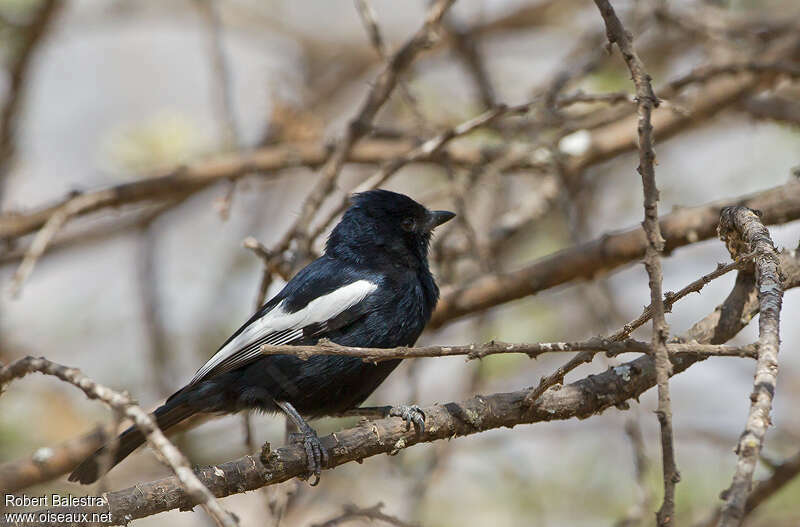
<point x="274" y="325"/>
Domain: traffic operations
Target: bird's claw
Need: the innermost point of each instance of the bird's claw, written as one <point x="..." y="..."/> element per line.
<point x="316" y="454"/>
<point x="410" y="414"/>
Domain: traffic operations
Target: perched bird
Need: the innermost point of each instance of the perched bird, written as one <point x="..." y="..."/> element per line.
<point x="371" y="288"/>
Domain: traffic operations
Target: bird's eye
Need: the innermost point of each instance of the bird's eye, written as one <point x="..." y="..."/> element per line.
<point x="408" y="224"/>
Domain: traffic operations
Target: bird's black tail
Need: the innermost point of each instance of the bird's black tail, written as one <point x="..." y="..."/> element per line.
<point x="171" y="413"/>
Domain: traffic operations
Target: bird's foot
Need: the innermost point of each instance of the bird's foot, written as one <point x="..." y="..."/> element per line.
<point x="411" y="414"/>
<point x="316" y="455"/>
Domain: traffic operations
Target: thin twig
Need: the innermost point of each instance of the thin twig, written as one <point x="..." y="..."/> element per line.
<point x="646" y="101"/>
<point x="585" y="357"/>
<point x="477" y="351"/>
<point x="37" y="248"/>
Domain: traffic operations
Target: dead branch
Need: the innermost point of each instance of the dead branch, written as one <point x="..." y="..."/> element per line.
<point x="741" y="230"/>
<point x="646" y="101"/>
<point x="610" y="347"/>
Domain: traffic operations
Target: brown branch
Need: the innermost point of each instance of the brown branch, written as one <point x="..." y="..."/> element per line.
<point x="468" y="49"/>
<point x="610" y="347"/>
<point x="39" y="245"/>
<point x="152" y="312"/>
<point x="614" y="138"/>
<point x="266" y="161"/>
<point x="186" y="479"/>
<point x="584" y="357"/>
<point x="695" y="287"/>
<point x="580" y="97"/>
<point x="582" y="398"/>
<point x="783" y="473"/>
<point x="587" y="260"/>
<point x="222" y="91"/>
<point x="741" y="230"/>
<point x="646" y="101"/>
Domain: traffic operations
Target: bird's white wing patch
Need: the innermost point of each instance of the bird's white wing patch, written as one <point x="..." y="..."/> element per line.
<point x="278" y="327"/>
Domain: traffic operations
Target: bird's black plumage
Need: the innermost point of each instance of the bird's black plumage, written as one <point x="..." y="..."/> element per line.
<point x="372" y="288"/>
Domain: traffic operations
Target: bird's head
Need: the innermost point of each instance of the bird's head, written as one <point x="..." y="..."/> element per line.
<point x="385" y="227"/>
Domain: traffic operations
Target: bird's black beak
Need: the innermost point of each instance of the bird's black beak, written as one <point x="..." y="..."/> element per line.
<point x="437" y="217"/>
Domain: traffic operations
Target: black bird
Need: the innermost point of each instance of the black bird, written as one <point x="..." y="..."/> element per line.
<point x="372" y="288"/>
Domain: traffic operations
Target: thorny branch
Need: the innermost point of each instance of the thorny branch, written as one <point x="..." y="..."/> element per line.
<point x="646" y="101"/>
<point x="610" y="347"/>
<point x="647" y="314"/>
